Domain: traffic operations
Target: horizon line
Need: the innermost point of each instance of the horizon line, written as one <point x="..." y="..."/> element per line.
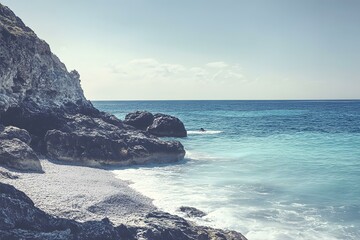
<point x="144" y="100"/>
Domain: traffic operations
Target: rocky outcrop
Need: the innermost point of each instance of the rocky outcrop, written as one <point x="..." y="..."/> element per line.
<point x="30" y="73"/>
<point x="38" y="94"/>
<point x="20" y="219"/>
<point x="192" y="212"/>
<point x="160" y="125"/>
<point x="139" y="119"/>
<point x="94" y="141"/>
<point x="167" y="126"/>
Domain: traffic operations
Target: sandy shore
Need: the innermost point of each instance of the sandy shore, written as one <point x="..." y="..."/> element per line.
<point x="82" y="193"/>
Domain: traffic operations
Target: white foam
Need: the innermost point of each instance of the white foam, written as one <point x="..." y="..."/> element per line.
<point x="206" y="132"/>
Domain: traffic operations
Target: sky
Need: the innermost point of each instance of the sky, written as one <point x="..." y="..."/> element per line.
<point x="203" y="49"/>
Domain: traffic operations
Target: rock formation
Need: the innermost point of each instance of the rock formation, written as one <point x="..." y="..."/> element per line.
<point x="160" y="125"/>
<point x="20" y="219"/>
<point x="45" y="112"/>
<point x="15" y="151"/>
<point x="39" y="95"/>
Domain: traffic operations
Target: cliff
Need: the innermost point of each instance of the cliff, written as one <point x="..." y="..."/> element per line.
<point x="40" y="96"/>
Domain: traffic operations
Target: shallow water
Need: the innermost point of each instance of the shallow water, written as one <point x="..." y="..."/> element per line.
<point x="269" y="169"/>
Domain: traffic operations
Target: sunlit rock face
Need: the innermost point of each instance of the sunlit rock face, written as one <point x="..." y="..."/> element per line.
<point x="40" y="96"/>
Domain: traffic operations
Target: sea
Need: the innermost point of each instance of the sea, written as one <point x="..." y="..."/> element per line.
<point x="268" y="169"/>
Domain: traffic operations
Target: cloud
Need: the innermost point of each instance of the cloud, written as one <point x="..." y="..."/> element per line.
<point x="149" y="69"/>
<point x="217" y="65"/>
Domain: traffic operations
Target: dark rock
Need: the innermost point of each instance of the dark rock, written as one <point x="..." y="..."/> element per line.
<point x="139" y="119"/>
<point x="8" y="175"/>
<point x="192" y="212"/>
<point x="11" y="132"/>
<point x="17" y="154"/>
<point x="164" y="226"/>
<point x="94" y="141"/>
<point x="20" y="219"/>
<point x="167" y="126"/>
<point x="38" y="94"/>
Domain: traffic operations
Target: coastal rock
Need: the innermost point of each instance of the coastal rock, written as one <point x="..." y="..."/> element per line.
<point x="20" y="219"/>
<point x="192" y="212"/>
<point x="38" y="94"/>
<point x="139" y="119"/>
<point x="18" y="155"/>
<point x="167" y="126"/>
<point x="164" y="226"/>
<point x="29" y="72"/>
<point x="160" y="125"/>
<point x="93" y="141"/>
<point x="11" y="132"/>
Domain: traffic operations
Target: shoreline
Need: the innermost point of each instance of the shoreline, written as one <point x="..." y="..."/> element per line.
<point x="86" y="194"/>
<point x="82" y="193"/>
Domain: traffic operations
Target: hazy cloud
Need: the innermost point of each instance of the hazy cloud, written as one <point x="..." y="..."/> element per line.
<point x="217" y="65"/>
<point x="152" y="69"/>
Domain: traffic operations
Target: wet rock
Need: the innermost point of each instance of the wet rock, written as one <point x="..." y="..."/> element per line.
<point x="192" y="212"/>
<point x="167" y="126"/>
<point x="164" y="226"/>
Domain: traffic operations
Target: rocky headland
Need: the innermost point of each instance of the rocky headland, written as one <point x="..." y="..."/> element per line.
<point x="44" y="114"/>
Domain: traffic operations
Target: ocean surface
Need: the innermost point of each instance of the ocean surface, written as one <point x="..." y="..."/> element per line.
<point x="269" y="169"/>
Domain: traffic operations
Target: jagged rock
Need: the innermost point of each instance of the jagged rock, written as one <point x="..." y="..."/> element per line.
<point x="11" y="132"/>
<point x="164" y="226"/>
<point x="29" y="72"/>
<point x="167" y="126"/>
<point x="20" y="219"/>
<point x="8" y="175"/>
<point x="139" y="119"/>
<point x="38" y="94"/>
<point x="192" y="212"/>
<point x="94" y="141"/>
<point x="160" y="125"/>
<point x="17" y="154"/>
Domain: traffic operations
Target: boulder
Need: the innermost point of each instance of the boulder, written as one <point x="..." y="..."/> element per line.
<point x="18" y="155"/>
<point x="94" y="142"/>
<point x="192" y="212"/>
<point x="139" y="119"/>
<point x="11" y="132"/>
<point x="167" y="126"/>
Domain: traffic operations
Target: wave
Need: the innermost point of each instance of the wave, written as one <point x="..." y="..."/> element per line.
<point x="198" y="132"/>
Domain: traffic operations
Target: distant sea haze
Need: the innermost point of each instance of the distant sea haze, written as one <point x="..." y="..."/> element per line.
<point x="269" y="169"/>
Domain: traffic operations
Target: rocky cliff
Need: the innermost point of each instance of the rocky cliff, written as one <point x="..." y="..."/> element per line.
<point x="40" y="96"/>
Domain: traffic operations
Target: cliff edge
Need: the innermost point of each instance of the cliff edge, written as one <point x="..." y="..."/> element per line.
<point x="39" y="95"/>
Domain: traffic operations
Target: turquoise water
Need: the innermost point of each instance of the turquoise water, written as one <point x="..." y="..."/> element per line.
<point x="269" y="169"/>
